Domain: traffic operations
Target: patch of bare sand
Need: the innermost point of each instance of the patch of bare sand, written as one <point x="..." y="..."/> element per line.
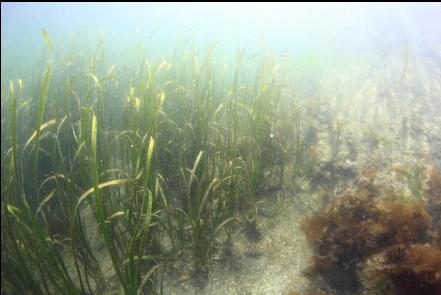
<point x="271" y="265"/>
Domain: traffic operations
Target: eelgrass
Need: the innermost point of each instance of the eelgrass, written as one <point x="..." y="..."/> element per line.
<point x="164" y="151"/>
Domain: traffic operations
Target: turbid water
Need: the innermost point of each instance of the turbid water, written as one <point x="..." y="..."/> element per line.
<point x="221" y="148"/>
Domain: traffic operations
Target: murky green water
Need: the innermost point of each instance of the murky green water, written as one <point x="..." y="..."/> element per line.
<point x="220" y="148"/>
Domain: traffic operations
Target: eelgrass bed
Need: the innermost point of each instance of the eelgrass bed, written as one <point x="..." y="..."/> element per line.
<point x="120" y="177"/>
<point x="167" y="156"/>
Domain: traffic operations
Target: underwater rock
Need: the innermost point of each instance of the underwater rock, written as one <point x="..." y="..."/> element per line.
<point x="329" y="174"/>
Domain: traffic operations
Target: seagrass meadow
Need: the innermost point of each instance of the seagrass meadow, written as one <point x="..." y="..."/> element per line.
<point x="220" y="149"/>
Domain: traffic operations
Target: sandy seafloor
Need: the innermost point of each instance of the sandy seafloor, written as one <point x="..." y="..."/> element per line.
<point x="270" y="265"/>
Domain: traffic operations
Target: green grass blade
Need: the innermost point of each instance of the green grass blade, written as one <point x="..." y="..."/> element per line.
<point x="47" y="39"/>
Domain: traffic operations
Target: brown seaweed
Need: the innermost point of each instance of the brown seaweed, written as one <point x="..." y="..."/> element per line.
<point x="401" y="270"/>
<point x="363" y="242"/>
